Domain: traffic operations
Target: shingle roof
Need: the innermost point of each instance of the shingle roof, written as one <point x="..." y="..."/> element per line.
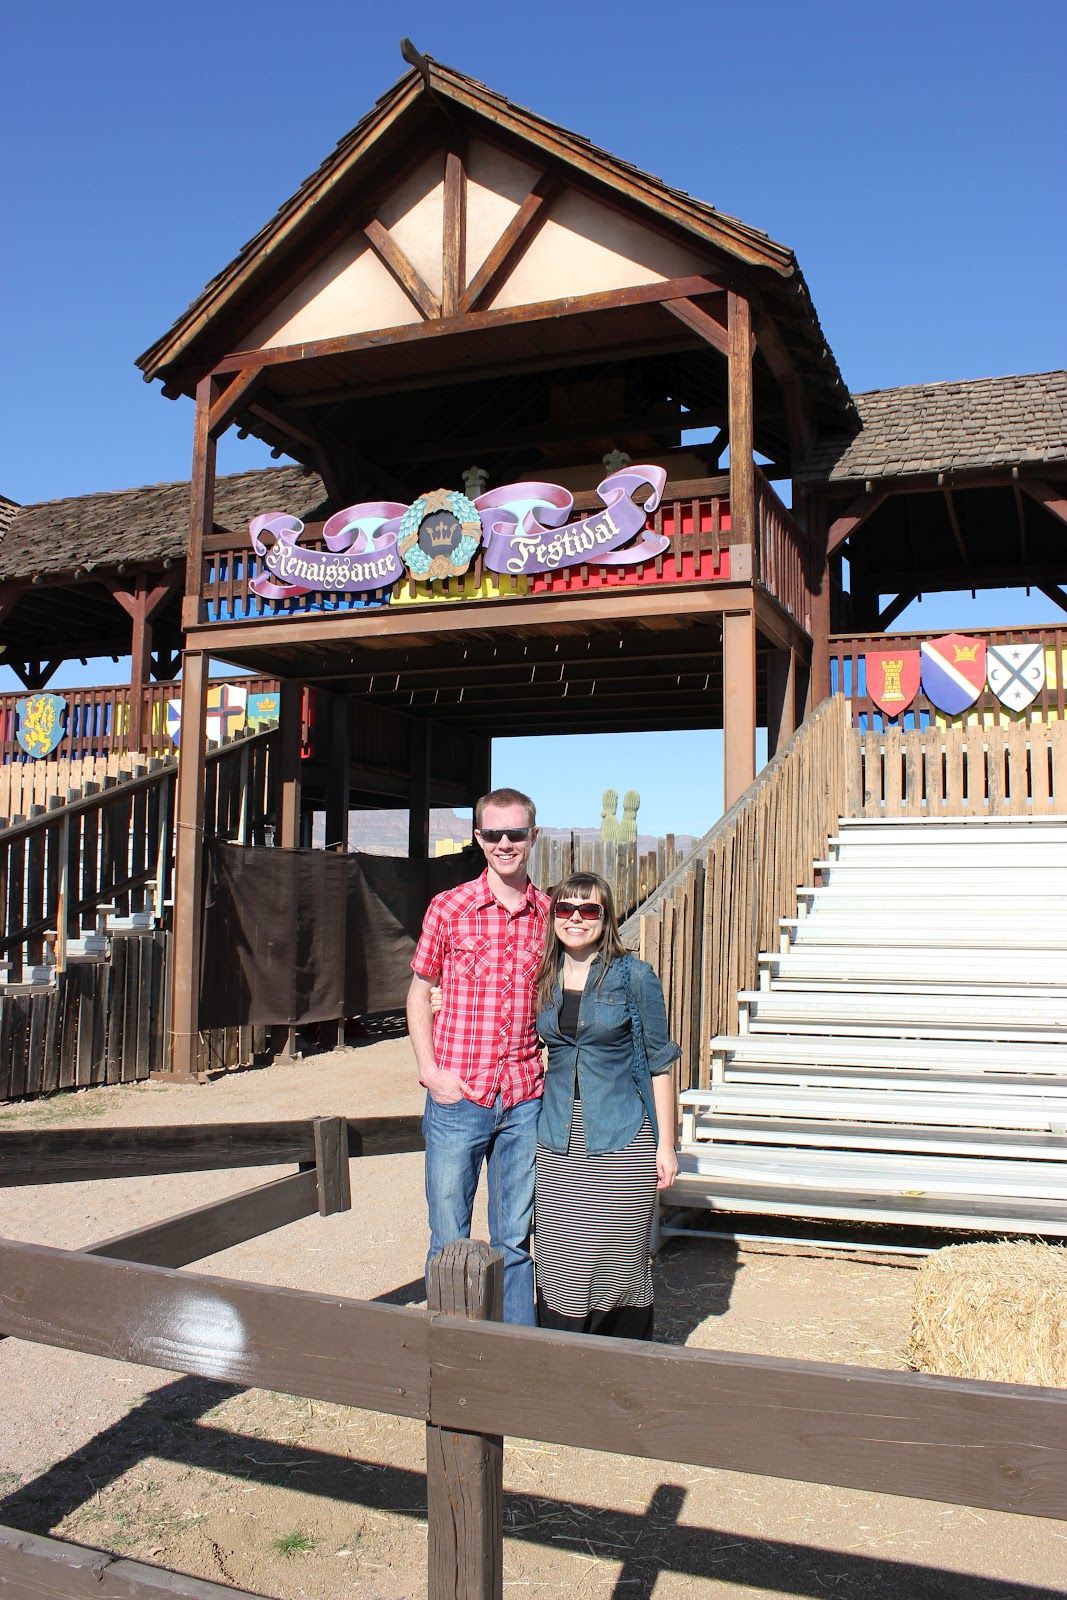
<point x="942" y="427"/>
<point x="145" y="525"/>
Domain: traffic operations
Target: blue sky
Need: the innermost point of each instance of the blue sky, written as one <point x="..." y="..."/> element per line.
<point x="912" y="155"/>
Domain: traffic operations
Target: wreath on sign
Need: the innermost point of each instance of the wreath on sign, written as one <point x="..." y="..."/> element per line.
<point x="416" y="559"/>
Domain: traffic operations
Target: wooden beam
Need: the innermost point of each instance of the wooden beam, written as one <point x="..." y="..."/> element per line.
<point x="895" y="607"/>
<point x="701" y="323"/>
<point x="512" y="245"/>
<point x="739" y="704"/>
<point x="742" y="467"/>
<point x="201" y="498"/>
<point x="857" y="514"/>
<point x="188" y="870"/>
<point x="781" y="700"/>
<point x="1052" y="496"/>
<point x="10" y="595"/>
<point x="1020" y="512"/>
<point x="576" y="306"/>
<point x="778" y="358"/>
<point x="34" y="1567"/>
<point x="220" y="1225"/>
<point x="1055" y="594"/>
<point x="397" y="263"/>
<point x="419" y="793"/>
<point x="290" y="723"/>
<point x="957" y="531"/>
<point x="233" y="400"/>
<point x="454" y="240"/>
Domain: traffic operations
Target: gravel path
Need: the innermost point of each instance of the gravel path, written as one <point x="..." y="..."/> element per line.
<point x="292" y="1498"/>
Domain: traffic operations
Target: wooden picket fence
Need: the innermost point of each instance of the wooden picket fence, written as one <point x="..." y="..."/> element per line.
<point x="704" y="928"/>
<point x="633" y="873"/>
<point x="962" y="771"/>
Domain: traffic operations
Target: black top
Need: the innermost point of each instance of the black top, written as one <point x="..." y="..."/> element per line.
<point x="568" y="1012"/>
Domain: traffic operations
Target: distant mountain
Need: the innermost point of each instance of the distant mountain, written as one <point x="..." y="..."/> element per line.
<point x="385" y="833"/>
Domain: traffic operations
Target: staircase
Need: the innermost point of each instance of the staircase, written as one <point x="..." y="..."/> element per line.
<point x="904" y="1058"/>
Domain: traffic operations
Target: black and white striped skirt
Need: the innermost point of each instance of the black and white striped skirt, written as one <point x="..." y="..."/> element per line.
<point x="591" y="1238"/>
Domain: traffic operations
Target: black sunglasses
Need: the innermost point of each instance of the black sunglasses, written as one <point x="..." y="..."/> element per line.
<point x="494" y="835"/>
<point x="588" y="910"/>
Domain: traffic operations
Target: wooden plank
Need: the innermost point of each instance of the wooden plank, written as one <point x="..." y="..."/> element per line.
<point x="454" y="238"/>
<point x="346" y="1351"/>
<point x="330" y="1136"/>
<point x="130" y="1008"/>
<point x="1058" y="740"/>
<point x="143" y="1059"/>
<point x="33" y="1567"/>
<point x="35" y="1048"/>
<point x="69" y="1155"/>
<point x="208" y="1229"/>
<point x="464" y="1469"/>
<point x="84" y="977"/>
<point x="1040" y="769"/>
<point x="1000" y="1446"/>
<point x="19" y="1009"/>
<point x="115" y="993"/>
<point x="512" y="244"/>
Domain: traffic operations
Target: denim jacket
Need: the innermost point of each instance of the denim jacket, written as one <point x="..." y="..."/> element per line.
<point x="613" y="1103"/>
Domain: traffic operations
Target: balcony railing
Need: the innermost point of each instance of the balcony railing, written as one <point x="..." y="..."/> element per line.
<point x="848" y="676"/>
<point x="782" y="567"/>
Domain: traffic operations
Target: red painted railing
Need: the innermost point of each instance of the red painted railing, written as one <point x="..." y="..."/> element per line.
<point x="849" y="677"/>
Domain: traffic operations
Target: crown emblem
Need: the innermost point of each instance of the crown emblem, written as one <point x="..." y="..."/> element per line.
<point x="966" y="652"/>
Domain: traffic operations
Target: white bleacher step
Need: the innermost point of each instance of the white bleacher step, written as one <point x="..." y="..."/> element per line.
<point x="901" y="1138"/>
<point x="917" y="1055"/>
<point x="887" y="1080"/>
<point x="963" y="1011"/>
<point x="1006" y="852"/>
<point x="712" y="1192"/>
<point x="949" y="876"/>
<point x="927" y="1106"/>
<point x="853" y="931"/>
<point x="878" y="1172"/>
<point x="912" y="966"/>
<point x="1046" y="900"/>
<point x="963" y="825"/>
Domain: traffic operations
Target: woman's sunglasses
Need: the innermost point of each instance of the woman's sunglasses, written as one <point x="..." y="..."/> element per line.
<point x="588" y="910"/>
<point x="494" y="835"/>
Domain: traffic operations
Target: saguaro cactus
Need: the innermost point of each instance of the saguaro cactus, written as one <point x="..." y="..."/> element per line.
<point x="627" y="833"/>
<point x="609" y="822"/>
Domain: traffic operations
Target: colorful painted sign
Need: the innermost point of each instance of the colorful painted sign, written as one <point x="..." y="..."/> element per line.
<point x="522" y="527"/>
<point x="174" y="722"/>
<point x="225" y="712"/>
<point x="953" y="671"/>
<point x="1016" y="673"/>
<point x="40" y="724"/>
<point x="262" y="710"/>
<point x="893" y="679"/>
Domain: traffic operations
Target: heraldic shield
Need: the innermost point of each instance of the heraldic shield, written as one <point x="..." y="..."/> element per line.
<point x="1015" y="673"/>
<point x="40" y="724"/>
<point x="893" y="679"/>
<point x="953" y="672"/>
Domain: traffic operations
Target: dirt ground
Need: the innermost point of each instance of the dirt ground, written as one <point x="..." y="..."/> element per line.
<point x="293" y="1498"/>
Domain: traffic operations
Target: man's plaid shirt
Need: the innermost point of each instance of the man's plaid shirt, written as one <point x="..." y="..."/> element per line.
<point x="485" y="958"/>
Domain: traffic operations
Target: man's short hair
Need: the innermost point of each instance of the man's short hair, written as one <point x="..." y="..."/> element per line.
<point x="506" y="797"/>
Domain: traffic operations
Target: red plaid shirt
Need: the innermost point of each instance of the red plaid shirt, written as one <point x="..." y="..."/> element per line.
<point x="485" y="958"/>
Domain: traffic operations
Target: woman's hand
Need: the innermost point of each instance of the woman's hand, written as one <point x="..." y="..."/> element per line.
<point x="666" y="1165"/>
<point x="437" y="998"/>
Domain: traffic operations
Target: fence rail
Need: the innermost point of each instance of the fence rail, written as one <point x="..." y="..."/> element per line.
<point x="705" y="927"/>
<point x="965" y="771"/>
<point x="848" y="676"/>
<point x="633" y="873"/>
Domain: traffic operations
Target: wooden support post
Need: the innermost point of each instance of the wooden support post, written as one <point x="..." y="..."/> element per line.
<point x="188" y="870"/>
<point x="331" y="1165"/>
<point x="781" y="699"/>
<point x="338" y="773"/>
<point x="419" y="792"/>
<point x="140" y="657"/>
<point x="464" y="1471"/>
<point x="290" y="712"/>
<point x="738" y="703"/>
<point x="201" y="498"/>
<point x="819" y="583"/>
<point x="481" y="766"/>
<point x="742" y="467"/>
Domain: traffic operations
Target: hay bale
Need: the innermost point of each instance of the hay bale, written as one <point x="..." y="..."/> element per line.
<point x="994" y="1311"/>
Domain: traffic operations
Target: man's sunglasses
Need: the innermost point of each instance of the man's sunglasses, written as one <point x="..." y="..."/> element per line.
<point x="494" y="835"/>
<point x="588" y="910"/>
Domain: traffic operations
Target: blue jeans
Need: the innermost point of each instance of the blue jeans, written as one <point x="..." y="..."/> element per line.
<point x="458" y="1138"/>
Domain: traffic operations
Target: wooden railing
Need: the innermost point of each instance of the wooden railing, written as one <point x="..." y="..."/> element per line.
<point x="453" y="1366"/>
<point x="848" y="676"/>
<point x="694" y="516"/>
<point x="98" y="722"/>
<point x="783" y="564"/>
<point x="1019" y="771"/>
<point x="704" y="928"/>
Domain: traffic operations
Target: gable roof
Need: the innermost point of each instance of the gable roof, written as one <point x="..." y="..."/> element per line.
<point x="392" y="123"/>
<point x="971" y="425"/>
<point x="143" y="526"/>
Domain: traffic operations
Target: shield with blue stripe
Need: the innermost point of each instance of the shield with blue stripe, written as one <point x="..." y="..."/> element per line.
<point x="953" y="672"/>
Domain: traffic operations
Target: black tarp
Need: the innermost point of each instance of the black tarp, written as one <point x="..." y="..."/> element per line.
<point x="298" y="936"/>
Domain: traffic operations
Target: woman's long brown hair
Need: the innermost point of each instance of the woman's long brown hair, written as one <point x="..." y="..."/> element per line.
<point x="609" y="948"/>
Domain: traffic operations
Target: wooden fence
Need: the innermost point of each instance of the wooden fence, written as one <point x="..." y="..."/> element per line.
<point x="1018" y="771"/>
<point x="997" y="1446"/>
<point x="633" y="873"/>
<point x="704" y="928"/>
<point x="783" y="553"/>
<point x="87" y="884"/>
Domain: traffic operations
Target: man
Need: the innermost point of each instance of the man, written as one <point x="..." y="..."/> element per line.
<point x="480" y="1059"/>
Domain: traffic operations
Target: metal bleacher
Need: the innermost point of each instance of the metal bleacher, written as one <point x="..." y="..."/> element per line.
<point x="904" y="1059"/>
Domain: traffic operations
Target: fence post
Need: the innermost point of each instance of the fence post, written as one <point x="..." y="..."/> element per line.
<point x="464" y="1471"/>
<point x="331" y="1165"/>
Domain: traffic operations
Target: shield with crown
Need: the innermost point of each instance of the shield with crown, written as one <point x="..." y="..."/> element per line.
<point x="953" y="672"/>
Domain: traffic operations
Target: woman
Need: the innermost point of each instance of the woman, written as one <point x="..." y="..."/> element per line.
<point x="605" y="1133"/>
